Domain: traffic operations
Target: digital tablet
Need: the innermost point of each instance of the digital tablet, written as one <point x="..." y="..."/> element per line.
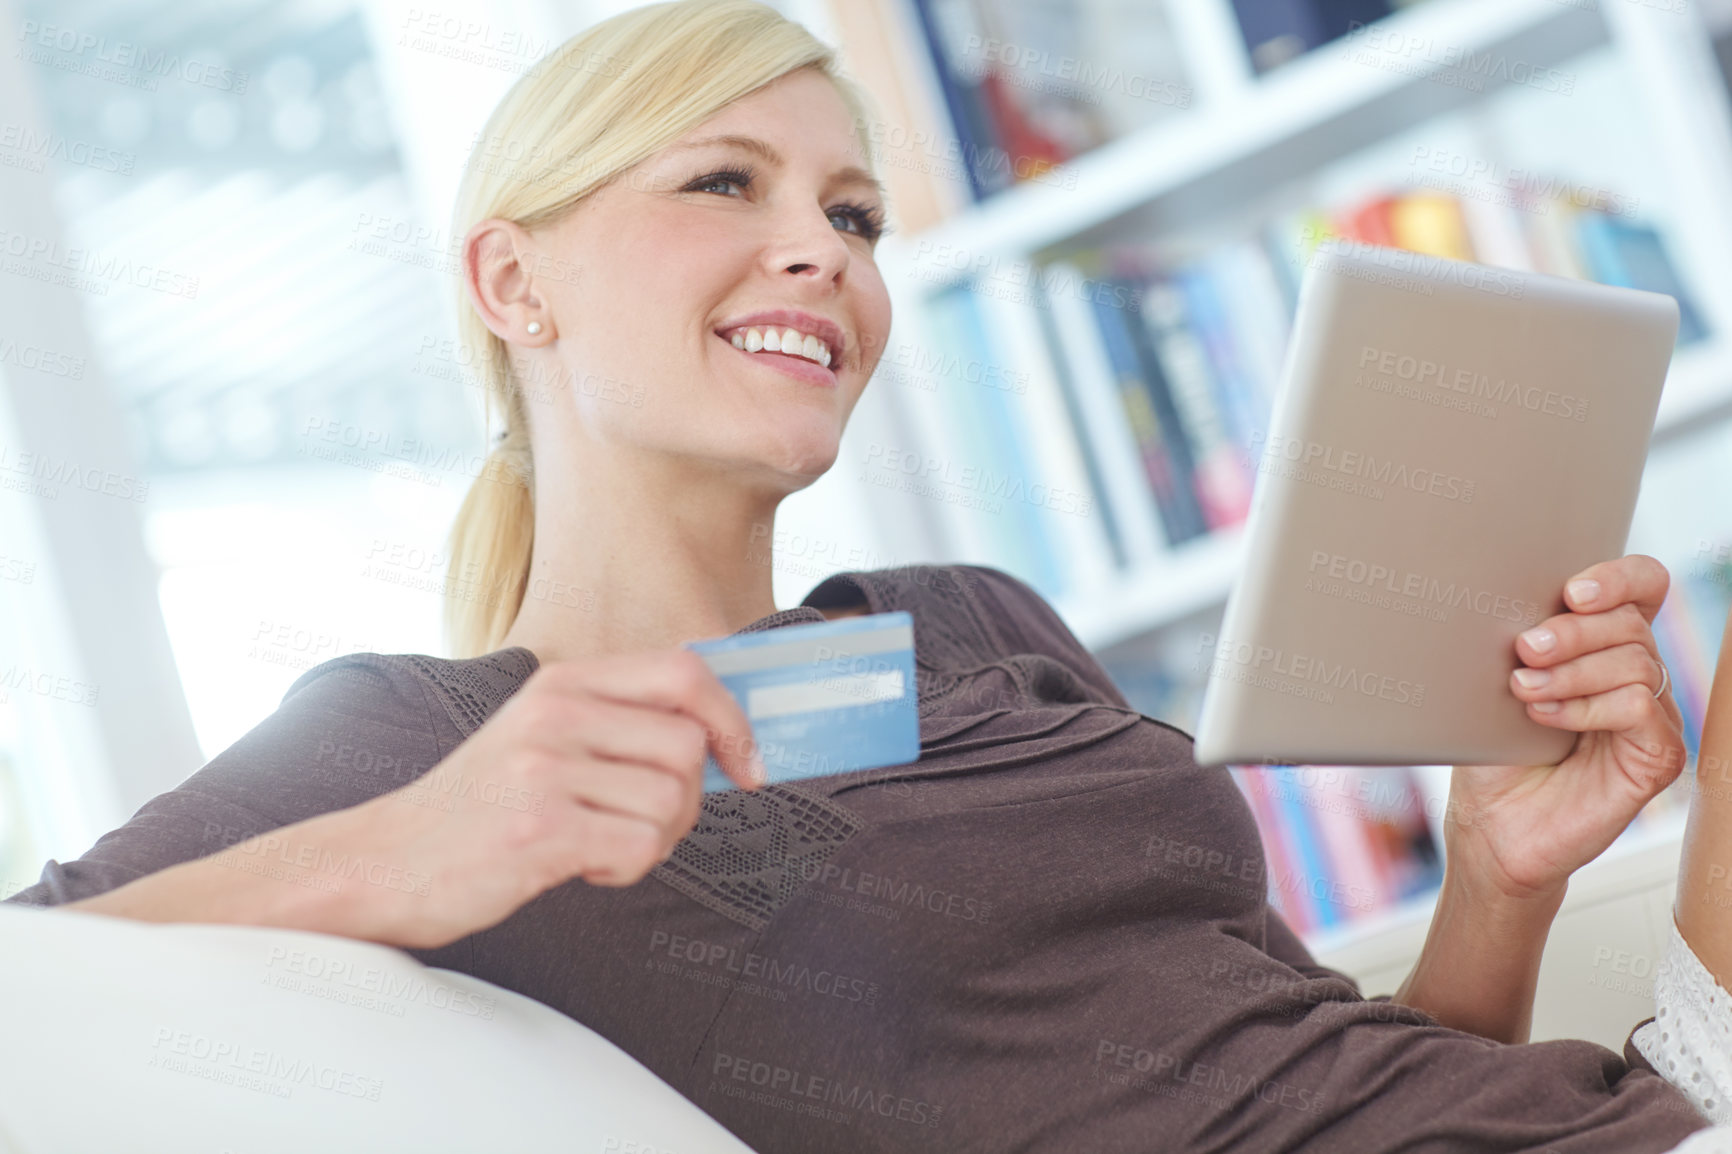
<point x="1450" y="444"/>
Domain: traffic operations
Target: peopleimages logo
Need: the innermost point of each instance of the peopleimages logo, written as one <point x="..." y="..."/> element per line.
<point x="1500" y="282"/>
<point x="89" y="270"/>
<point x="1308" y="669"/>
<point x="27" y="144"/>
<point x="155" y="63"/>
<point x="852" y="1096"/>
<point x="898" y="891"/>
<point x="763" y="968"/>
<point x="1420" y="54"/>
<point x="1472" y="383"/>
<point x="224" y="1056"/>
<point x="1235" y="1087"/>
<point x="1352" y="470"/>
<point x="1374" y="577"/>
<point x="1532" y="190"/>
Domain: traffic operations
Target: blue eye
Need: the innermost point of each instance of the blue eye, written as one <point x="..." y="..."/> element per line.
<point x="868" y="219"/>
<point x="739" y="176"/>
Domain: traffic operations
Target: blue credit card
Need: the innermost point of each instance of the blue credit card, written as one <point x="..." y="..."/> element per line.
<point x="823" y="698"/>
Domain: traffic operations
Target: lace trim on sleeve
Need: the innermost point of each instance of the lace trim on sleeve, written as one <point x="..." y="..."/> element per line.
<point x="1690" y="1041"/>
<point x="471" y="690"/>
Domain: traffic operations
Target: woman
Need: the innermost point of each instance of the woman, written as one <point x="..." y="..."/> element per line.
<point x="1050" y="932"/>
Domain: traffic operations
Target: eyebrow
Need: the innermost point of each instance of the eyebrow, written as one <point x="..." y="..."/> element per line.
<point x="852" y="174"/>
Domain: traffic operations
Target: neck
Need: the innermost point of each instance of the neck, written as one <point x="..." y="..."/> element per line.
<point x="645" y="559"/>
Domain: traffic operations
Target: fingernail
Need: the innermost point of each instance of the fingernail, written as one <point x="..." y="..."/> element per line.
<point x="1540" y="640"/>
<point x="760" y="775"/>
<point x="1545" y="706"/>
<point x="1532" y="678"/>
<point x="1583" y="592"/>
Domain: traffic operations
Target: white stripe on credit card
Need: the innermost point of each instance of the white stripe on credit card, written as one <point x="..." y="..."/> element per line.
<point x="842" y="649"/>
<point x="825" y="693"/>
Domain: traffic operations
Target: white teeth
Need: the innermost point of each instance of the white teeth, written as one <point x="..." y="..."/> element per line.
<point x="788" y="341"/>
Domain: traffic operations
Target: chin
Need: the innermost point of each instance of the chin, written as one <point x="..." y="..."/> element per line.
<point x="805" y="459"/>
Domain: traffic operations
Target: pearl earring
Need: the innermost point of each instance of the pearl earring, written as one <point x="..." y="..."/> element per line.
<point x="534" y="327"/>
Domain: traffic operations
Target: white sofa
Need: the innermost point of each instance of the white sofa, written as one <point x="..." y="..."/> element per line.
<point x="119" y="1035"/>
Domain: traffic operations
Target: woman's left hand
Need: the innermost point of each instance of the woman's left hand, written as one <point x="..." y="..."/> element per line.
<point x="1519" y="831"/>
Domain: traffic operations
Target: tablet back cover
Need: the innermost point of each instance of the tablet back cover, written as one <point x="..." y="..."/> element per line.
<point x="1451" y="444"/>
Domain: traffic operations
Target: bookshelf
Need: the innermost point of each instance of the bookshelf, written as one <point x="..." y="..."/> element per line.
<point x="1626" y="101"/>
<point x="1247" y="135"/>
<point x="1255" y="133"/>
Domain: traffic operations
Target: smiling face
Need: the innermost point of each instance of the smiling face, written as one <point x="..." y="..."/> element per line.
<point x="663" y="267"/>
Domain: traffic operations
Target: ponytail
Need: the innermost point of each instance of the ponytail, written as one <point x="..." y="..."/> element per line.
<point x="492" y="538"/>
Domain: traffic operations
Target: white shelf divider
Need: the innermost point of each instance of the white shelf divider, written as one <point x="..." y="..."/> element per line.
<point x="1698" y="390"/>
<point x="1220" y="67"/>
<point x="1188" y="579"/>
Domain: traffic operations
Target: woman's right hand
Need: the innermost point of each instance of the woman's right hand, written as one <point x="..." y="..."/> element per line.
<point x="592" y="770"/>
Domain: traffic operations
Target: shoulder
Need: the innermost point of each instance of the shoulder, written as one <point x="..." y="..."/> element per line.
<point x="446" y="694"/>
<point x="346" y="731"/>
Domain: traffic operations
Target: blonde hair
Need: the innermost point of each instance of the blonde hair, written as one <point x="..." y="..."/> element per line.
<point x="598" y="104"/>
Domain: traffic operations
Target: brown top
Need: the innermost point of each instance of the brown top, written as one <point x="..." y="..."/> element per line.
<point x="1049" y="933"/>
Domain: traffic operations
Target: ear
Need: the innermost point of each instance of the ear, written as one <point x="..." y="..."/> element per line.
<point x="497" y="257"/>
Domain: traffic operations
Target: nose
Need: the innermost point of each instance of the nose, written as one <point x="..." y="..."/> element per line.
<point x="813" y="248"/>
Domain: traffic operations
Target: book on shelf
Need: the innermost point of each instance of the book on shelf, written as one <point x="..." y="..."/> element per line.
<point x="981" y="95"/>
<point x="1621" y="252"/>
<point x="1179" y="327"/>
<point x="1341" y="843"/>
<point x="1243" y="321"/>
<point x="1085" y="368"/>
<point x="1520" y="230"/>
<point x="1148" y="409"/>
<point x="909" y="130"/>
<point x="951" y="36"/>
<point x="1191" y="375"/>
<point x="1276" y="31"/>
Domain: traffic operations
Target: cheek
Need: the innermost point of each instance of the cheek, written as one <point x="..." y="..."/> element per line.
<point x="874" y="322"/>
<point x="683" y="255"/>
